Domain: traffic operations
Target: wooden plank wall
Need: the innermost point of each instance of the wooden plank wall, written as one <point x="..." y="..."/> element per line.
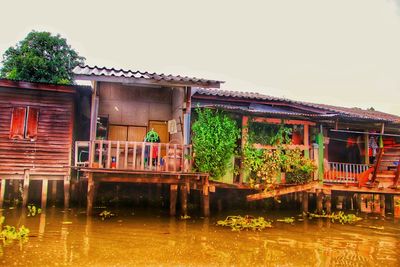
<point x="50" y="153"/>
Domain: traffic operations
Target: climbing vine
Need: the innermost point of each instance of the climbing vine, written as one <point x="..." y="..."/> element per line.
<point x="215" y="135"/>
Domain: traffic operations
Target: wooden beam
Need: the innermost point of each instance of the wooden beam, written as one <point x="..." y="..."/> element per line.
<point x="54" y="192"/>
<point x="2" y="191"/>
<point x="282" y="191"/>
<point x="361" y="189"/>
<point x="44" y="193"/>
<point x="67" y="183"/>
<point x="304" y="202"/>
<point x="90" y="195"/>
<point x="173" y="193"/>
<point x="25" y="193"/>
<point x="183" y="192"/>
<point x="328" y="204"/>
<point x="382" y="204"/>
<point x="320" y="196"/>
<point x="279" y="121"/>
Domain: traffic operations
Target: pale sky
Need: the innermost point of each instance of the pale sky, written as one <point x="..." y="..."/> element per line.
<point x="339" y="52"/>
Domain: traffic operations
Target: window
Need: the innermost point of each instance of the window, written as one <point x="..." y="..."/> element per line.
<point x="24" y="123"/>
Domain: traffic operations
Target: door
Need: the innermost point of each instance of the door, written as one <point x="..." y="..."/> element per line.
<point x="161" y="127"/>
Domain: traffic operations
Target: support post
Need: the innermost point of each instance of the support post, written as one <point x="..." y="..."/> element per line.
<point x="320" y="142"/>
<point x="54" y="192"/>
<point x="173" y="194"/>
<point x="382" y="205"/>
<point x="366" y="148"/>
<point x="2" y="191"/>
<point x="90" y="195"/>
<point x="183" y="193"/>
<point x="359" y="202"/>
<point x="67" y="184"/>
<point x="245" y="131"/>
<point x="328" y="204"/>
<point x="44" y="193"/>
<point x="320" y="196"/>
<point x="25" y="193"/>
<point x="306" y="141"/>
<point x="206" y="201"/>
<point x="304" y="201"/>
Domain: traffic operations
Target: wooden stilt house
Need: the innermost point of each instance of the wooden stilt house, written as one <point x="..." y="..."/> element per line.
<point x="36" y="135"/>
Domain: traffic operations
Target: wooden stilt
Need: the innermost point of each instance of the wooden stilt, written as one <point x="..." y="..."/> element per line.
<point x="305" y="202"/>
<point x="359" y="202"/>
<point x="2" y="191"/>
<point x="66" y="191"/>
<point x="54" y="192"/>
<point x="219" y="204"/>
<point x="319" y="196"/>
<point x="328" y="204"/>
<point x="90" y="195"/>
<point x="183" y="193"/>
<point x="44" y="193"/>
<point x="173" y="194"/>
<point x="25" y="193"/>
<point x="382" y="205"/>
<point x="206" y="201"/>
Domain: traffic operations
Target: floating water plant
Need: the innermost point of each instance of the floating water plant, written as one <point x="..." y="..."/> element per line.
<point x="239" y="223"/>
<point x="340" y="217"/>
<point x="9" y="233"/>
<point x="105" y="214"/>
<point x="286" y="220"/>
<point x="185" y="217"/>
<point x="33" y="211"/>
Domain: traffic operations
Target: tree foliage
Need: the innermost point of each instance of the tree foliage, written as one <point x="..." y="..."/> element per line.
<point x="41" y="57"/>
<point x="214" y="141"/>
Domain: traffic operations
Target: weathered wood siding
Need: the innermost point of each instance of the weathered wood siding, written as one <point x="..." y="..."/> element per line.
<point x="51" y="152"/>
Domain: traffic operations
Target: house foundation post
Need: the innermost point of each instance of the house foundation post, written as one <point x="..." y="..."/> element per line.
<point x="173" y="194"/>
<point x="382" y="205"/>
<point x="25" y="193"/>
<point x="67" y="183"/>
<point x="44" y="193"/>
<point x="304" y="202"/>
<point x="90" y="195"/>
<point x="183" y="193"/>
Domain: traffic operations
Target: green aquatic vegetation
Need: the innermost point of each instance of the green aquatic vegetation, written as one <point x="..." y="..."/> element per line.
<point x="239" y="223"/>
<point x="10" y="233"/>
<point x="286" y="220"/>
<point x="33" y="210"/>
<point x="341" y="217"/>
<point x="185" y="217"/>
<point x="105" y="214"/>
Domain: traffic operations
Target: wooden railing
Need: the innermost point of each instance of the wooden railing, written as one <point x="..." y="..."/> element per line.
<point x="344" y="172"/>
<point x="141" y="156"/>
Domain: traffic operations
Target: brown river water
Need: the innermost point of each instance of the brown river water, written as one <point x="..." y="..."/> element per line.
<point x="69" y="238"/>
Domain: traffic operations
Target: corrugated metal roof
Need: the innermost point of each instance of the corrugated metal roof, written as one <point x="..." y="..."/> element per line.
<point x="261" y="110"/>
<point x="89" y="71"/>
<point x="323" y="108"/>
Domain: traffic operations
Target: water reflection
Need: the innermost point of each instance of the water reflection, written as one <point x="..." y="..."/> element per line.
<point x="69" y="238"/>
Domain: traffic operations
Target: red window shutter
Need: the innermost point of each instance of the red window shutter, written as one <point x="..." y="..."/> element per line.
<point x="17" y="123"/>
<point x="32" y="123"/>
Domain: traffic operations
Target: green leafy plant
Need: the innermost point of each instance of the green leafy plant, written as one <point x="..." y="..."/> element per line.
<point x="41" y="57"/>
<point x="289" y="220"/>
<point x="214" y="141"/>
<point x="33" y="210"/>
<point x="105" y="214"/>
<point x="340" y="217"/>
<point x="239" y="223"/>
<point x="266" y="165"/>
<point x="10" y="233"/>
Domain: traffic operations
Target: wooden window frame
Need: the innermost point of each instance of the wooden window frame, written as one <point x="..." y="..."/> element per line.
<point x="27" y="127"/>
